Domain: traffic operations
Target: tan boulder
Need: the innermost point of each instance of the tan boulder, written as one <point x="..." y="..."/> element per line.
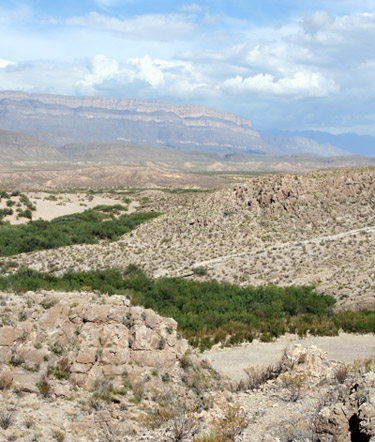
<point x="86" y="356"/>
<point x="7" y="335"/>
<point x="80" y="368"/>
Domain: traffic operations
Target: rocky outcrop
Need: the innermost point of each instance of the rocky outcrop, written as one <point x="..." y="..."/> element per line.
<point x="85" y="366"/>
<point x="353" y="417"/>
<point x="98" y="337"/>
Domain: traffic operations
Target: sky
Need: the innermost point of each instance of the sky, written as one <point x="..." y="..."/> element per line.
<point x="285" y="64"/>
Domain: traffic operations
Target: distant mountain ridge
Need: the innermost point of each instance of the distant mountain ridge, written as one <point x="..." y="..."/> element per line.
<point x="60" y="120"/>
<point x="351" y="142"/>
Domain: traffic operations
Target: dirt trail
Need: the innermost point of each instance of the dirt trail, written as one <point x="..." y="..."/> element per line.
<point x="215" y="262"/>
<point x="232" y="361"/>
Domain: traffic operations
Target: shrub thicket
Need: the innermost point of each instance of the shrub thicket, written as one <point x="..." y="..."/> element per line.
<point x="211" y="312"/>
<point x="88" y="227"/>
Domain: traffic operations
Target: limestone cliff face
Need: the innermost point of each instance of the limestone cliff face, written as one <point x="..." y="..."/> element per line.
<point x="106" y="119"/>
<point x="134" y="105"/>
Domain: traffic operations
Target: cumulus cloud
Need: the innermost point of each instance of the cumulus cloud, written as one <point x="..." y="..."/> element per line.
<point x="160" y="27"/>
<point x="100" y="69"/>
<point x="157" y="78"/>
<point x="302" y="83"/>
<point x="149" y="70"/>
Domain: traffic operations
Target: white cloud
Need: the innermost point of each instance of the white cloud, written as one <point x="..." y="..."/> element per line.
<point x="161" y="27"/>
<point x="149" y="70"/>
<point x="5" y="63"/>
<point x="192" y="8"/>
<point x="101" y="69"/>
<point x="304" y="84"/>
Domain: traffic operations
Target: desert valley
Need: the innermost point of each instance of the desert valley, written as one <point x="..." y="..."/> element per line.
<point x="169" y="274"/>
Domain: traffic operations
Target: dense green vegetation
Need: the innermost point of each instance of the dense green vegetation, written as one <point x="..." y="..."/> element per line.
<point x="211" y="312"/>
<point x="88" y="227"/>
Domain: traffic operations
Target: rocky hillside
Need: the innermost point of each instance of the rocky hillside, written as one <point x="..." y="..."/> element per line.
<point x="312" y="229"/>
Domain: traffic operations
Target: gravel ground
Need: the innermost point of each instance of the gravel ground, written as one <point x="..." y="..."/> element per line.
<point x="345" y="348"/>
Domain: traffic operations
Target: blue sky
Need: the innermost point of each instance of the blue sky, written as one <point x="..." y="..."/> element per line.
<point x="293" y="64"/>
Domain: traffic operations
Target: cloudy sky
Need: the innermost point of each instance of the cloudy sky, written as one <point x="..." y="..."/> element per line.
<point x="286" y="64"/>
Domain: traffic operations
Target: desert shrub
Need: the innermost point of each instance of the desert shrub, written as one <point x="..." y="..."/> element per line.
<point x="58" y="435"/>
<point x="16" y="360"/>
<point x="179" y="416"/>
<point x="5" y="382"/>
<point x="231" y="424"/>
<point x="61" y="370"/>
<point x="102" y="389"/>
<point x="200" y="271"/>
<point x="6" y="418"/>
<point x="256" y="377"/>
<point x="44" y="386"/>
<point x="294" y="384"/>
<point x="138" y="392"/>
<point x="48" y="303"/>
<point x="185" y="360"/>
<point x="341" y="373"/>
<point x="57" y="348"/>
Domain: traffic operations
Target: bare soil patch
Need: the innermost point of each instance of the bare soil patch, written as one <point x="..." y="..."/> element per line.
<point x="344" y="348"/>
<point x="49" y="206"/>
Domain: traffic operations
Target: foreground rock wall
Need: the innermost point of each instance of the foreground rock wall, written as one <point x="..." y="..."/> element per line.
<point x="99" y="336"/>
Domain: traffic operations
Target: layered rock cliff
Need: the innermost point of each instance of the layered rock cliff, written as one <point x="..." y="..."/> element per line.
<point x="62" y="119"/>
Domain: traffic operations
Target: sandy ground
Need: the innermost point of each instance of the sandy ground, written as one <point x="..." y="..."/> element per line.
<point x="345" y="348"/>
<point x="65" y="204"/>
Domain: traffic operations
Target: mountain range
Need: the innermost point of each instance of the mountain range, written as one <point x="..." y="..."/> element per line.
<point x="59" y="120"/>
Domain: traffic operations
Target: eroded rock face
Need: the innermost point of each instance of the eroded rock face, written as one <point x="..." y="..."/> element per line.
<point x="352" y="418"/>
<point x="100" y="336"/>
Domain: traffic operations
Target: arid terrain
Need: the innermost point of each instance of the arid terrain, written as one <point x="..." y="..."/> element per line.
<point x="91" y="367"/>
<point x="284" y="229"/>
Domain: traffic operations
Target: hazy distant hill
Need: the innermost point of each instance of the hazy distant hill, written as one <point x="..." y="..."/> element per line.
<point x="60" y="120"/>
<point x="298" y="144"/>
<point x="18" y="147"/>
<point x="351" y="142"/>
